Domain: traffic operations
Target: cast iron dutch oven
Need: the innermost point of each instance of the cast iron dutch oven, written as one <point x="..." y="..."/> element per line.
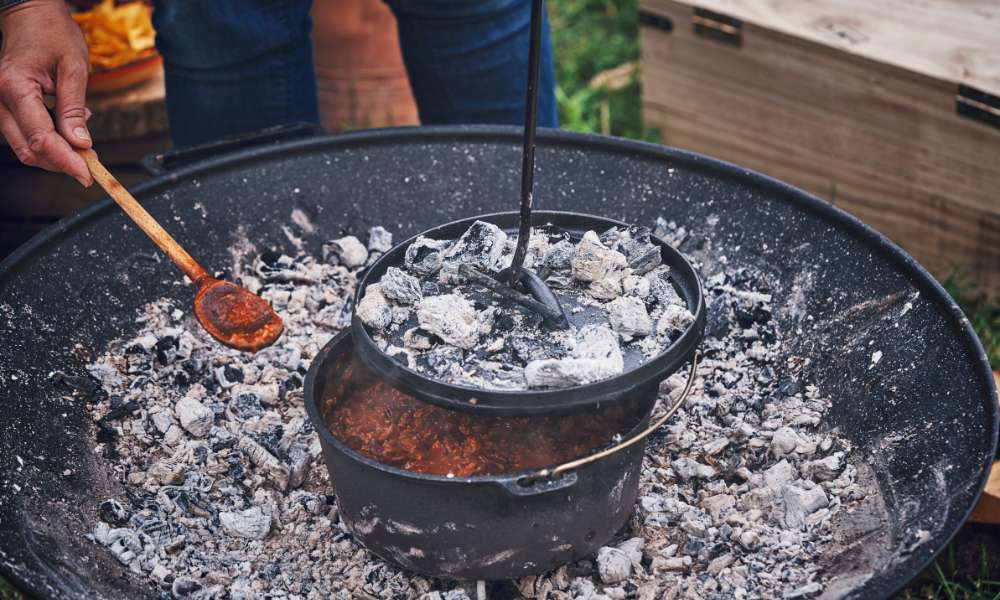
<point x="496" y="527"/>
<point x="482" y="527"/>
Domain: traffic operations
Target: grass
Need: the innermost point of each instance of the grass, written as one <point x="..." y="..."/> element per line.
<point x="984" y="315"/>
<point x="591" y="38"/>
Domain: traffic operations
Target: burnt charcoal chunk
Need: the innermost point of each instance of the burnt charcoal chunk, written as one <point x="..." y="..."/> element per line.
<point x="553" y="233"/>
<point x="790" y="387"/>
<point x="744" y="317"/>
<point x="400" y="287"/>
<point x="559" y="255"/>
<point x="229" y="375"/>
<point x="236" y="469"/>
<point x="424" y="256"/>
<point x="379" y="239"/>
<point x="166" y="349"/>
<point x="429" y="288"/>
<point x="185" y="588"/>
<point x="439" y="361"/>
<point x="108" y="436"/>
<point x="730" y="379"/>
<point x="113" y="513"/>
<point x="347" y="251"/>
<point x="87" y="385"/>
<point x="526" y="349"/>
<point x="245" y="404"/>
<point x="292" y="382"/>
<point x="693" y="546"/>
<point x="610" y="237"/>
<point x="717" y="318"/>
<point x="503" y="322"/>
<point x="662" y="289"/>
<point x="119" y="409"/>
<point x="200" y="454"/>
<point x="270" y="438"/>
<point x="270" y="259"/>
<point x="270" y="572"/>
<point x="766" y="376"/>
<point x="643" y="256"/>
<point x="481" y="246"/>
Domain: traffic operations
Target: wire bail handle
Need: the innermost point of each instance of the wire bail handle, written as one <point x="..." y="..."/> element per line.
<point x="573" y="464"/>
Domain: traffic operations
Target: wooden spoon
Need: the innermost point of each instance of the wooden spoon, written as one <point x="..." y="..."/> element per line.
<point x="231" y="314"/>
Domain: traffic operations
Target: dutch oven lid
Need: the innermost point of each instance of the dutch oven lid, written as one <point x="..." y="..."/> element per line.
<point x="535" y="401"/>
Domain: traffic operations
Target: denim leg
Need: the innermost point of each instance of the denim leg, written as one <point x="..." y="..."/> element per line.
<point x="235" y="66"/>
<point x="468" y="60"/>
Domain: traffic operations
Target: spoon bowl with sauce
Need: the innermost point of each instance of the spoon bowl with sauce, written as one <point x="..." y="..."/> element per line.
<point x="233" y="315"/>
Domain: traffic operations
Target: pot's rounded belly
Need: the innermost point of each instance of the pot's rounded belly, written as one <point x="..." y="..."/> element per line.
<point x="484" y="529"/>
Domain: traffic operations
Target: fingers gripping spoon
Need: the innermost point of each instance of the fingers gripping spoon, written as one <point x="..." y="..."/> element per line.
<point x="231" y="314"/>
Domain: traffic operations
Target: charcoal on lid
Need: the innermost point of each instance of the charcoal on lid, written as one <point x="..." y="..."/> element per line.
<point x="373" y="309"/>
<point x="451" y="318"/>
<point x="425" y="256"/>
<point x="592" y="261"/>
<point x="481" y="246"/>
<point x="398" y="286"/>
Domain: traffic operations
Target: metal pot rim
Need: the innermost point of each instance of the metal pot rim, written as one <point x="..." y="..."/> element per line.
<point x="532" y="402"/>
<point x="311" y="398"/>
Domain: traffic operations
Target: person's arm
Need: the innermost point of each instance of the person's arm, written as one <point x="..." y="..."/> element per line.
<point x="43" y="53"/>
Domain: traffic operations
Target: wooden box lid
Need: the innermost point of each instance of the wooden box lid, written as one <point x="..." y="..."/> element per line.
<point x="950" y="40"/>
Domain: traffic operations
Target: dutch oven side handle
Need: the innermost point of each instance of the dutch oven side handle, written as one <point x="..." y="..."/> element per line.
<point x="162" y="162"/>
<point x="530" y="486"/>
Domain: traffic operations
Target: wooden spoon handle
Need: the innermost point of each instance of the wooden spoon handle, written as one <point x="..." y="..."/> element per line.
<point x="143" y="219"/>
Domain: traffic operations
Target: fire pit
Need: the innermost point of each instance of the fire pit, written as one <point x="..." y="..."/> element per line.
<point x="862" y="322"/>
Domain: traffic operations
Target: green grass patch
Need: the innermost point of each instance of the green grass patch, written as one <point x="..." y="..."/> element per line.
<point x="593" y="37"/>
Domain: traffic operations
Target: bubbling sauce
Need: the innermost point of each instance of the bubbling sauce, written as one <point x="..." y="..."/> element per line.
<point x="395" y="429"/>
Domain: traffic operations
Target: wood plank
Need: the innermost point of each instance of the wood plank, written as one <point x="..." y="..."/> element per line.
<point x="988" y="509"/>
<point x="951" y="40"/>
<point x="884" y="144"/>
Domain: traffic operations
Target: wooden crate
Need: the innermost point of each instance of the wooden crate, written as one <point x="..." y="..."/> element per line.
<point x="889" y="109"/>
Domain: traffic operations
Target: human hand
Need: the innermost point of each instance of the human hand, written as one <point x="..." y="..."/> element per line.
<point x="44" y="53"/>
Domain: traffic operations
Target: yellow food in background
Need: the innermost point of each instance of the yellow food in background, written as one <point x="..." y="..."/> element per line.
<point x="117" y="35"/>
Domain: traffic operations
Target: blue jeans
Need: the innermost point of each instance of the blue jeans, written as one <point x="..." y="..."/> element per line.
<point x="234" y="66"/>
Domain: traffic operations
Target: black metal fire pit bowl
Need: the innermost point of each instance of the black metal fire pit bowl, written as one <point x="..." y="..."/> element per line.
<point x="536" y="402"/>
<point x="924" y="420"/>
<point x="483" y="527"/>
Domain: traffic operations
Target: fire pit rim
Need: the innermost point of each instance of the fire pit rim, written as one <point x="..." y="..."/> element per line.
<point x="549" y="140"/>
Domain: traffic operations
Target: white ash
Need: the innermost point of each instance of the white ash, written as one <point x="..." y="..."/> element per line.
<point x="348" y="251"/>
<point x="738" y="495"/>
<point x="379" y="240"/>
<point x="465" y="334"/>
<point x="251" y="523"/>
<point x="595" y="355"/>
<point x="373" y="309"/>
<point x="628" y="317"/>
<point x="451" y="318"/>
